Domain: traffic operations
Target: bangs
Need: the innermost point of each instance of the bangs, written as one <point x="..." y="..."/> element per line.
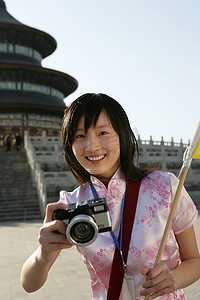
<point x="90" y="110"/>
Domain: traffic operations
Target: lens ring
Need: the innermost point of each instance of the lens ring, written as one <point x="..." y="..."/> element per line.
<point x="84" y="219"/>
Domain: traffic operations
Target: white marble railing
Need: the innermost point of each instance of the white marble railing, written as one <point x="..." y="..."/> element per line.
<point x="42" y="150"/>
<point x="162" y="143"/>
<point x="45" y="140"/>
<point x="36" y="173"/>
<point x="64" y="178"/>
<point x="52" y="156"/>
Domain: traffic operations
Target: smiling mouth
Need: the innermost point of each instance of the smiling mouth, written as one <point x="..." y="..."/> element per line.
<point x="96" y="158"/>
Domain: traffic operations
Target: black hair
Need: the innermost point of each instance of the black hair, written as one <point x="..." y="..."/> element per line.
<point x="90" y="106"/>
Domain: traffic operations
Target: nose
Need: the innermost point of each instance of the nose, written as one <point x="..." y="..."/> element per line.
<point x="92" y="143"/>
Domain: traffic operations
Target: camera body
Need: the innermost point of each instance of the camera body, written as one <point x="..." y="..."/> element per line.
<point x="85" y="220"/>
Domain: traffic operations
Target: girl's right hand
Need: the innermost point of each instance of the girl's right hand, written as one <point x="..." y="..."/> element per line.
<point x="52" y="236"/>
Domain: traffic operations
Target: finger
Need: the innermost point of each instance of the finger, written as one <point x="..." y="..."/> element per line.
<point x="155" y="288"/>
<point x="152" y="282"/>
<point x="145" y="271"/>
<point x="164" y="282"/>
<point x="161" y="292"/>
<point x="155" y="276"/>
<point x="55" y="226"/>
<point x="156" y="271"/>
<point x="53" y="233"/>
<point x="51" y="207"/>
<point x="167" y="290"/>
<point x="52" y="239"/>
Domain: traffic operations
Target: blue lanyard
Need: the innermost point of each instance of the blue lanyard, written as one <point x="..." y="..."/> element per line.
<point x="118" y="244"/>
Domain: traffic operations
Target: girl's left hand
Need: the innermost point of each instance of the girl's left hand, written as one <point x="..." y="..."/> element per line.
<point x="159" y="281"/>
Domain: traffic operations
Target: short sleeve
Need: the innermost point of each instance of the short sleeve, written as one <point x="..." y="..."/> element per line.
<point x="64" y="197"/>
<point x="81" y="193"/>
<point x="186" y="211"/>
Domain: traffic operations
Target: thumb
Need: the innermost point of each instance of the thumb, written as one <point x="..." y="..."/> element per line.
<point x="51" y="207"/>
<point x="145" y="271"/>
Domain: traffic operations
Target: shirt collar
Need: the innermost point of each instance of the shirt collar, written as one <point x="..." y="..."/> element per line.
<point x="117" y="182"/>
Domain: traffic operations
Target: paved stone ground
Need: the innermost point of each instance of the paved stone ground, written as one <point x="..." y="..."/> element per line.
<point x="68" y="278"/>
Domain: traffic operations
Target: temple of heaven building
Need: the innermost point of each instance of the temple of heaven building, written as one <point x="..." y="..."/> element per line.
<point x="31" y="97"/>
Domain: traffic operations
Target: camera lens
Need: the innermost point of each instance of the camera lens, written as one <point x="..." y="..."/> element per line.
<point x="82" y="230"/>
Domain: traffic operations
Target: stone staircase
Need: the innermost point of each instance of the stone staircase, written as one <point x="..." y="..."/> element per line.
<point x="18" y="199"/>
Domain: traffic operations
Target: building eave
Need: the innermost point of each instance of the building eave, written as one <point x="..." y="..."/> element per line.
<point x="59" y="80"/>
<point x="28" y="36"/>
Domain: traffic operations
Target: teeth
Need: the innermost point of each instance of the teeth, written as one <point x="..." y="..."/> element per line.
<point x="96" y="157"/>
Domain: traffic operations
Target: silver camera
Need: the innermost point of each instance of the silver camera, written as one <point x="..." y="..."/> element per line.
<point x="85" y="220"/>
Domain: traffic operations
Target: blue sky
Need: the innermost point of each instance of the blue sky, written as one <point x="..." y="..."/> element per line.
<point x="145" y="54"/>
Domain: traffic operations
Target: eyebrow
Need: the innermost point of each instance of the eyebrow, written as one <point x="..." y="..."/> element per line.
<point x="98" y="127"/>
<point x="80" y="129"/>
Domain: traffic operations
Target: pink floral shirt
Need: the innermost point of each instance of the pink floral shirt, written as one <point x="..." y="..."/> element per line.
<point x="154" y="201"/>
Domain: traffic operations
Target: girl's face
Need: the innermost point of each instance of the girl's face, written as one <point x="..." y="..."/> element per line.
<point x="98" y="150"/>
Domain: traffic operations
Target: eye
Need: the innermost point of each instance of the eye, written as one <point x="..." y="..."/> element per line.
<point x="103" y="133"/>
<point x="79" y="136"/>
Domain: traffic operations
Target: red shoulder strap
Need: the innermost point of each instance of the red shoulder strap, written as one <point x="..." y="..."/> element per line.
<point x="117" y="272"/>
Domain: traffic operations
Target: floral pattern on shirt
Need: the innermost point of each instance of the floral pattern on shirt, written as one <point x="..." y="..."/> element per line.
<point x="154" y="202"/>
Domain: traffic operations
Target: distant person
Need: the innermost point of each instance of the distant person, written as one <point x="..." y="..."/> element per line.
<point x="99" y="147"/>
<point x="8" y="142"/>
<point x="18" y="141"/>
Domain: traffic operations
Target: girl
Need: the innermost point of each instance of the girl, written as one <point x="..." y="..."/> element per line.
<point x="99" y="148"/>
